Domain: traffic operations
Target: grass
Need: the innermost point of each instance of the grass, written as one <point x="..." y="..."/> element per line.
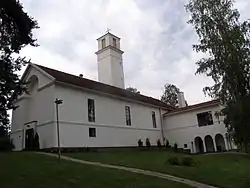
<point x="222" y="170"/>
<point x="33" y="170"/>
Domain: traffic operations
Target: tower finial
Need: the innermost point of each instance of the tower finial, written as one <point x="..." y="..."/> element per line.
<point x="108" y="29"/>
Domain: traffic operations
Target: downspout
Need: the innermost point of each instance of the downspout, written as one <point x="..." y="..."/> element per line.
<point x="161" y="122"/>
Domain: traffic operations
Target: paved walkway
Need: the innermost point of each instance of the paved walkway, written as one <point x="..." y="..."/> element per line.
<point x="136" y="170"/>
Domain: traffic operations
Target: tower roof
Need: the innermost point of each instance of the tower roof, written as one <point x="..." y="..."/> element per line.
<point x="108" y="33"/>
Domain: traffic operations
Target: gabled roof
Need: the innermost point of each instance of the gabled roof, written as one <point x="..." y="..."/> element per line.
<point x="193" y="107"/>
<point x="70" y="79"/>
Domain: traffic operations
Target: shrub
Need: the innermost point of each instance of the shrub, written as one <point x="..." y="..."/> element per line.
<point x="175" y="146"/>
<point x="167" y="144"/>
<point x="6" y="144"/>
<point x="159" y="143"/>
<point x="87" y="149"/>
<point x="187" y="161"/>
<point x="148" y="144"/>
<point x="140" y="143"/>
<point x="36" y="142"/>
<point x="173" y="161"/>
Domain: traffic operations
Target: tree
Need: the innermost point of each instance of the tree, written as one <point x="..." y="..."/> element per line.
<point x="133" y="89"/>
<point x="226" y="42"/>
<point x="170" y="94"/>
<point x="15" y="33"/>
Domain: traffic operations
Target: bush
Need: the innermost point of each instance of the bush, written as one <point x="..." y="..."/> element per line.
<point x="6" y="144"/>
<point x="140" y="143"/>
<point x="87" y="149"/>
<point x="184" y="161"/>
<point x="175" y="146"/>
<point x="167" y="144"/>
<point x="36" y="142"/>
<point x="148" y="144"/>
<point x="173" y="161"/>
<point x="187" y="161"/>
<point x="159" y="143"/>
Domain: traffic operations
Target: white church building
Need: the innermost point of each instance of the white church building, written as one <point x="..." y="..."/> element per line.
<point x="103" y="114"/>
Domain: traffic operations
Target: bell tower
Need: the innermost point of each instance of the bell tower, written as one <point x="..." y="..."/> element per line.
<point x="109" y="59"/>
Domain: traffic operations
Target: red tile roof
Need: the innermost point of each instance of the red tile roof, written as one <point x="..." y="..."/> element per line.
<point x="195" y="106"/>
<point x="104" y="88"/>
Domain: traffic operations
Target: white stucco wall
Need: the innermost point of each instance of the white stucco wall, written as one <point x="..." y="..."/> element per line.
<point x="117" y="69"/>
<point x="38" y="106"/>
<point x="110" y="68"/>
<point x="110" y="122"/>
<point x="104" y="67"/>
<point x="182" y="128"/>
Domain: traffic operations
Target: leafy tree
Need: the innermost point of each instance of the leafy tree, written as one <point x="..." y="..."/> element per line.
<point x="225" y="40"/>
<point x="15" y="33"/>
<point x="133" y="89"/>
<point x="170" y="94"/>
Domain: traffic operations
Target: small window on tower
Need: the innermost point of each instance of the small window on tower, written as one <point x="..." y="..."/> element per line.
<point x="114" y="42"/>
<point x="103" y="43"/>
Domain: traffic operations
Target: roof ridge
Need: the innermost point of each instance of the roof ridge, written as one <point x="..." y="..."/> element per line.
<point x="105" y="87"/>
<point x="194" y="106"/>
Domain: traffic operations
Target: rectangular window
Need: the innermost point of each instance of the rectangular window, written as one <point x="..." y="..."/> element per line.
<point x="154" y="119"/>
<point x="91" y="110"/>
<point x="92" y="132"/>
<point x="205" y="119"/>
<point x="114" y="42"/>
<point x="128" y="115"/>
<point x="103" y="43"/>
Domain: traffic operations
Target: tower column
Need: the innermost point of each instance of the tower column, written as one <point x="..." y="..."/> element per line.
<point x="109" y="59"/>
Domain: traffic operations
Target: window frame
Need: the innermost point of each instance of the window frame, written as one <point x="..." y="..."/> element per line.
<point x="91" y="115"/>
<point x="153" y="116"/>
<point x="92" y="132"/>
<point x="128" y="116"/>
<point x="206" y="122"/>
<point x="103" y="41"/>
<point x="114" y="42"/>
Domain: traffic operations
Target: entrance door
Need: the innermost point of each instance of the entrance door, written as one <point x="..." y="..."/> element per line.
<point x="29" y="139"/>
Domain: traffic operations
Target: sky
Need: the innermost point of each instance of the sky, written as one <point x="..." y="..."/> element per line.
<point x="155" y="37"/>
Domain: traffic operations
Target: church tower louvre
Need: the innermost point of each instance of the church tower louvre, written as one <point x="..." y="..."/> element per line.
<point x="109" y="59"/>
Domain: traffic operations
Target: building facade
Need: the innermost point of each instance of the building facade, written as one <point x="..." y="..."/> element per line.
<point x="104" y="114"/>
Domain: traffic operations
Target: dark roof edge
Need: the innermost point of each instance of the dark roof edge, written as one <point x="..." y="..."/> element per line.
<point x="111" y="47"/>
<point x="193" y="107"/>
<point x="108" y="94"/>
<point x="159" y="105"/>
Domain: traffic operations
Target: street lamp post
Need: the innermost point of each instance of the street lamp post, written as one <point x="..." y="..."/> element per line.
<point x="57" y="102"/>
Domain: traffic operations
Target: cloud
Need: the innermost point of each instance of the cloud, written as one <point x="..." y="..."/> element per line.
<point x="155" y="37"/>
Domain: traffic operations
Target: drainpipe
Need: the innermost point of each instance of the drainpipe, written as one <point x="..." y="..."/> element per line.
<point x="161" y="121"/>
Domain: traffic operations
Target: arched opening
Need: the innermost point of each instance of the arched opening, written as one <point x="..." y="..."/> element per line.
<point x="220" y="142"/>
<point x="209" y="143"/>
<point x="199" y="145"/>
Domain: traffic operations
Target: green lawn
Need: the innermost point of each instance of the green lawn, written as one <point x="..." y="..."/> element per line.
<point x="223" y="170"/>
<point x="28" y="170"/>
